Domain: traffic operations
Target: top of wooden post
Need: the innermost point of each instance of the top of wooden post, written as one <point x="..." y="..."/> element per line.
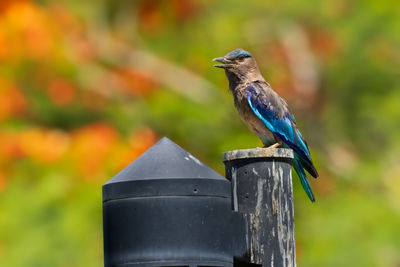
<point x="257" y="152"/>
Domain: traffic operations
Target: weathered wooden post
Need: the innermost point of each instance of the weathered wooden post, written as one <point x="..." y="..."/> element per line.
<point x="262" y="191"/>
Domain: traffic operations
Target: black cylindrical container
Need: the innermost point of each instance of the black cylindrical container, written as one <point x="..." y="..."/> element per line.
<point x="167" y="209"/>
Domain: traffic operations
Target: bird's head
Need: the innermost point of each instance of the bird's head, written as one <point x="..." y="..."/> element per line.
<point x="238" y="64"/>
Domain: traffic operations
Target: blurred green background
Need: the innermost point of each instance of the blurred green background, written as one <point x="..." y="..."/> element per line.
<point x="87" y="86"/>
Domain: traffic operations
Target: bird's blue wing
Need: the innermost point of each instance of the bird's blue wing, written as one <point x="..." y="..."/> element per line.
<point x="273" y="112"/>
<point x="275" y="115"/>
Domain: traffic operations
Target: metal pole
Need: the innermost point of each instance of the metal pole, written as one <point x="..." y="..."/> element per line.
<point x="262" y="191"/>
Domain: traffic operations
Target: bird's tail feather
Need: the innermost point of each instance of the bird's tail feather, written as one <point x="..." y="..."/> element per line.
<point x="306" y="161"/>
<point x="303" y="177"/>
<point x="309" y="166"/>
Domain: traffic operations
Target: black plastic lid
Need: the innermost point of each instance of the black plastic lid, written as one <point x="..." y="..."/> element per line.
<point x="166" y="170"/>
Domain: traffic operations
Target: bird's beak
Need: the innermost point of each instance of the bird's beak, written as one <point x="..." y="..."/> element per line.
<point x="226" y="63"/>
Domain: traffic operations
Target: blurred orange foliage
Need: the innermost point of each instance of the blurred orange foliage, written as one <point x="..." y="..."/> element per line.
<point x="136" y="82"/>
<point x="92" y="148"/>
<point x="61" y="92"/>
<point x="35" y="34"/>
<point x="185" y="9"/>
<point x="12" y="101"/>
<point x="150" y="17"/>
<point x="43" y="145"/>
<point x="323" y="43"/>
<point x="28" y="31"/>
<point x="10" y="147"/>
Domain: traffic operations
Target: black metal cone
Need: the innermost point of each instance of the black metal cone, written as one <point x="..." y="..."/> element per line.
<point x="168" y="165"/>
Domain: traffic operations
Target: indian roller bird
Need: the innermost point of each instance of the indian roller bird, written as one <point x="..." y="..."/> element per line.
<point x="264" y="112"/>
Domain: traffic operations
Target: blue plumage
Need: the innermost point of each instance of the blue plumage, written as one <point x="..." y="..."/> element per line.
<point x="282" y="124"/>
<point x="237" y="53"/>
<point x="298" y="167"/>
<point x="264" y="112"/>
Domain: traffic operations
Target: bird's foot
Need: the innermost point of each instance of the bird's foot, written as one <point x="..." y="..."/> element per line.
<point x="273" y="146"/>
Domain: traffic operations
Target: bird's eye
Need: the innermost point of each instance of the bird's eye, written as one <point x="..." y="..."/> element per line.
<point x="241" y="57"/>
